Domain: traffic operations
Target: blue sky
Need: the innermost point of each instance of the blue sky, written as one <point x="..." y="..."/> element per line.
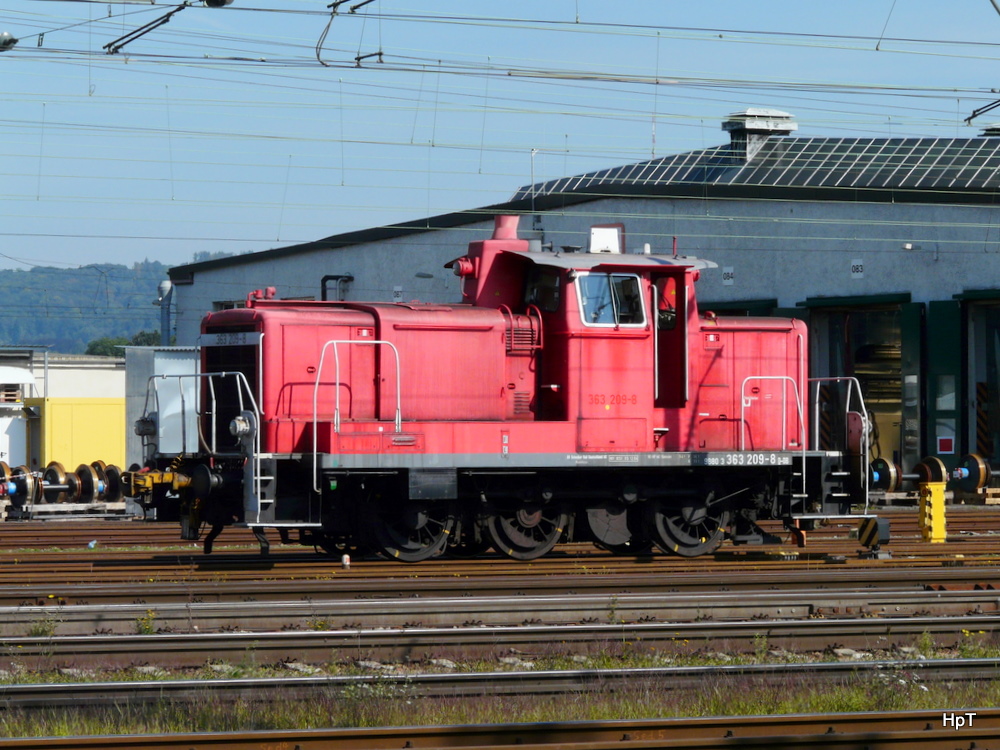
<point x="222" y="130"/>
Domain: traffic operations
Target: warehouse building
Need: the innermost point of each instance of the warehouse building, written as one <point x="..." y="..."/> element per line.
<point x="888" y="247"/>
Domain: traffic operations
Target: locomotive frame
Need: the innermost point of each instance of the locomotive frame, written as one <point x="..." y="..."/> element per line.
<point x="571" y="395"/>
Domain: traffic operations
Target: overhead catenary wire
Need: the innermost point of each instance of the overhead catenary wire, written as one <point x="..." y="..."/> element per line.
<point x="618" y="96"/>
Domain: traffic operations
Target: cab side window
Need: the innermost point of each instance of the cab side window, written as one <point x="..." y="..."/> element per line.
<point x="610" y="299"/>
<point x="543" y="289"/>
<point x="666" y="303"/>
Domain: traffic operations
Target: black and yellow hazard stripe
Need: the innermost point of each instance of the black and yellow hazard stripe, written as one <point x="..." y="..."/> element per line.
<point x="873" y="531"/>
<point x="984" y="440"/>
<point x="825" y="419"/>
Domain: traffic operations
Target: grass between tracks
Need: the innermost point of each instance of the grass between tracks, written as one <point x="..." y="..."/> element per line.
<point x="393" y="703"/>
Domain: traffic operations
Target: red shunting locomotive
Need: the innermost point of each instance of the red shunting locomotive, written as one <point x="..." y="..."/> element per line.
<point x="569" y="396"/>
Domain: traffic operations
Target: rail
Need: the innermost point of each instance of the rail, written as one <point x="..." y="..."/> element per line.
<point x="923" y="728"/>
<point x="114" y="694"/>
<point x="398" y="421"/>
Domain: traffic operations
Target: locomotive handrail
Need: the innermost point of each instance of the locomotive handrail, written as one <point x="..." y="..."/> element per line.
<point x="257" y="481"/>
<point x="745" y="403"/>
<point x="508" y="324"/>
<point x="746" y="400"/>
<point x="336" y="412"/>
<point x="508" y="317"/>
<point x="852" y="383"/>
<point x="538" y="314"/>
<point x="152" y="389"/>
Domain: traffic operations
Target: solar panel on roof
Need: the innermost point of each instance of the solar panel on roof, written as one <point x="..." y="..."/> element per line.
<point x="854" y="163"/>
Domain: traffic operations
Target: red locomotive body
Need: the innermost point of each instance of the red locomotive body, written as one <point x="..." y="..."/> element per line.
<point x="575" y="395"/>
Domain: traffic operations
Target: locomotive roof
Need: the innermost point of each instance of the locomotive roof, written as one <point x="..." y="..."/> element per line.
<point x="589" y="261"/>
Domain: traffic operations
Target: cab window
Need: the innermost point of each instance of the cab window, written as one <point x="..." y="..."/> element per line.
<point x="610" y="299"/>
<point x="543" y="289"/>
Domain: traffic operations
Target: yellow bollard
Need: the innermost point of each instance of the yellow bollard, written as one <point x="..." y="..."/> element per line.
<point x="931" y="513"/>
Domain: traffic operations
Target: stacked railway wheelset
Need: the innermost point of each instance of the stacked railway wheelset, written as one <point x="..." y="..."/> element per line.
<point x="96" y="482"/>
<point x="972" y="474"/>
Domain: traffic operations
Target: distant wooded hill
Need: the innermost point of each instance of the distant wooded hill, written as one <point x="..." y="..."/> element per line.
<point x="68" y="308"/>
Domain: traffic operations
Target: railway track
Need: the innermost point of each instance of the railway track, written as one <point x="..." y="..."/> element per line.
<point x="363" y="584"/>
<point x="392" y="611"/>
<point x="67" y="533"/>
<point x="33" y="568"/>
<point x="186" y="612"/>
<point x="417" y="685"/>
<point x="924" y="730"/>
<point x="293" y="607"/>
<point x="422" y="644"/>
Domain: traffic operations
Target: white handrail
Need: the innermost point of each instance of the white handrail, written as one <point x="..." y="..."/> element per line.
<point x="852" y="384"/>
<point x="243" y="386"/>
<point x="745" y="402"/>
<point x="260" y="418"/>
<point x="336" y="413"/>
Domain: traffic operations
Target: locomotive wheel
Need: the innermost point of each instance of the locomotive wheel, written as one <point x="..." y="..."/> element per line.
<point x="689" y="529"/>
<point x="528" y="532"/>
<point x="888" y="475"/>
<point x="978" y="473"/>
<point x="413" y="532"/>
<point x="610" y="529"/>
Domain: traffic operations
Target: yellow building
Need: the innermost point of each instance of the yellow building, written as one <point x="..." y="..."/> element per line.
<point x="75" y="431"/>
